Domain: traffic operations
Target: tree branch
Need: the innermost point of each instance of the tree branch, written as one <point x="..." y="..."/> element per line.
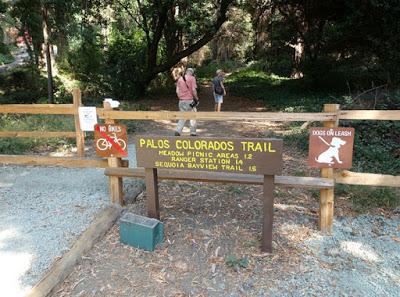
<point x="133" y="17"/>
<point x="208" y="36"/>
<point x="145" y="24"/>
<point x="159" y="28"/>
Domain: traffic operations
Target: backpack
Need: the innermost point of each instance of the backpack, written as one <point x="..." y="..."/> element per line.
<point x="217" y="87"/>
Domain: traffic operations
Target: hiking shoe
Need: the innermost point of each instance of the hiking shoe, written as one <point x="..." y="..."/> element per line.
<point x="177" y="133"/>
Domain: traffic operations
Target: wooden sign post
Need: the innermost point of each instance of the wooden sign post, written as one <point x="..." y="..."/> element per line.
<point x="231" y="155"/>
<point x="113" y="147"/>
<point x="330" y="147"/>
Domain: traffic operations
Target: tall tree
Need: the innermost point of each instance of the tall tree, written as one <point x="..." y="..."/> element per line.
<point x="180" y="27"/>
<point x="47" y="51"/>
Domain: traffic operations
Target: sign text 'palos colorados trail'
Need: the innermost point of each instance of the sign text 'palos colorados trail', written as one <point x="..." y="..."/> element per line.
<point x="248" y="155"/>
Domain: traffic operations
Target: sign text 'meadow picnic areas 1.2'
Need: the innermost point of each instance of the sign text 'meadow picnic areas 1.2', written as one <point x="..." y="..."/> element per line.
<point x="233" y="155"/>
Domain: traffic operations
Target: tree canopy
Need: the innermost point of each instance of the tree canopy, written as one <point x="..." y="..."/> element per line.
<point x="119" y="47"/>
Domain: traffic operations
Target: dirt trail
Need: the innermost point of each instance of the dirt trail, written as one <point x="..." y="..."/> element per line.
<point x="211" y="128"/>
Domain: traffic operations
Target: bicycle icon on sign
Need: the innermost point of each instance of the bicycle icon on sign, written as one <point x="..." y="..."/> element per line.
<point x="103" y="144"/>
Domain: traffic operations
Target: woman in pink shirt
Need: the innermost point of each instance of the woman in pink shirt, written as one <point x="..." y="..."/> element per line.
<point x="186" y="89"/>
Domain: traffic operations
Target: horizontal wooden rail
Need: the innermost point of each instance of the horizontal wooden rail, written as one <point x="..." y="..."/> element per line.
<point x="66" y="109"/>
<point x="70" y="105"/>
<point x="214" y="116"/>
<point x="367" y="179"/>
<point x="379" y="115"/>
<point x="290" y="181"/>
<point x="53" y="161"/>
<point x="37" y="134"/>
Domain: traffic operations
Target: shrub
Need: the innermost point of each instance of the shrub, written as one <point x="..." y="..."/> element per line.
<point x="22" y="85"/>
<point x="364" y="197"/>
<point x="208" y="70"/>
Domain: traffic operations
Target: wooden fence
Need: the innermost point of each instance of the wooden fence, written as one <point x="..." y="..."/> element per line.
<point x="49" y="109"/>
<point x="330" y="117"/>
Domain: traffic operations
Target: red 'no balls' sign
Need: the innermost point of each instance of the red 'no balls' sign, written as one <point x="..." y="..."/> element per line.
<point x="111" y="140"/>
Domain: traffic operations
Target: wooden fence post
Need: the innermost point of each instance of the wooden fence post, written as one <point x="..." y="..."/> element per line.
<point x="116" y="186"/>
<point x="326" y="202"/>
<point x="80" y="135"/>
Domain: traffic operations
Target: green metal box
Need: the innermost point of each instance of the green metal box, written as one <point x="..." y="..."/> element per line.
<point x="140" y="232"/>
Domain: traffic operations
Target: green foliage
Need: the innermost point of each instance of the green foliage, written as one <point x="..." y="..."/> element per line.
<point x="27" y="13"/>
<point x="22" y="85"/>
<point x="124" y="72"/>
<point x="5" y="50"/>
<point x="6" y="58"/>
<point x="33" y="123"/>
<point x="331" y="42"/>
<point x="208" y="70"/>
<point x="364" y="198"/>
<point x="376" y="147"/>
<point x="237" y="190"/>
<point x="162" y="85"/>
<point x="278" y="93"/>
<point x="234" y="262"/>
<point x="26" y="85"/>
<point x="85" y="61"/>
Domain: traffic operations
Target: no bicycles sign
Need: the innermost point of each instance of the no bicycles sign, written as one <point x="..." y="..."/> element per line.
<point x="111" y="140"/>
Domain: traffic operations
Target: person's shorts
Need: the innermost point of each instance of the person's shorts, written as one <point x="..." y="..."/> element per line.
<point x="218" y="98"/>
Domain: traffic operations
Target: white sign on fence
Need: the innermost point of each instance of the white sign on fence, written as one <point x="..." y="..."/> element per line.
<point x="87" y="118"/>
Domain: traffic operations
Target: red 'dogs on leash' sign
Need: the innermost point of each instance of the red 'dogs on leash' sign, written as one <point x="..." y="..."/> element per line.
<point x="232" y="155"/>
<point x="331" y="147"/>
<point x="111" y="140"/>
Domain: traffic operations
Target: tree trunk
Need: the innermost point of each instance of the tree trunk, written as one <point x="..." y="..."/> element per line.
<point x="47" y="51"/>
<point x="29" y="49"/>
<point x="260" y="22"/>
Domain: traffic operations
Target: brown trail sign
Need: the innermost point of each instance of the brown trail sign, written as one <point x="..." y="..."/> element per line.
<point x="230" y="155"/>
<point x="331" y="147"/>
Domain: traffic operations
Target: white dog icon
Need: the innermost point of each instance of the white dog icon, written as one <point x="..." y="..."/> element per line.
<point x="332" y="152"/>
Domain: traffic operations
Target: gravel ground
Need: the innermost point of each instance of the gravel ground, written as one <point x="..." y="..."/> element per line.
<point x="361" y="258"/>
<point x="42" y="212"/>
